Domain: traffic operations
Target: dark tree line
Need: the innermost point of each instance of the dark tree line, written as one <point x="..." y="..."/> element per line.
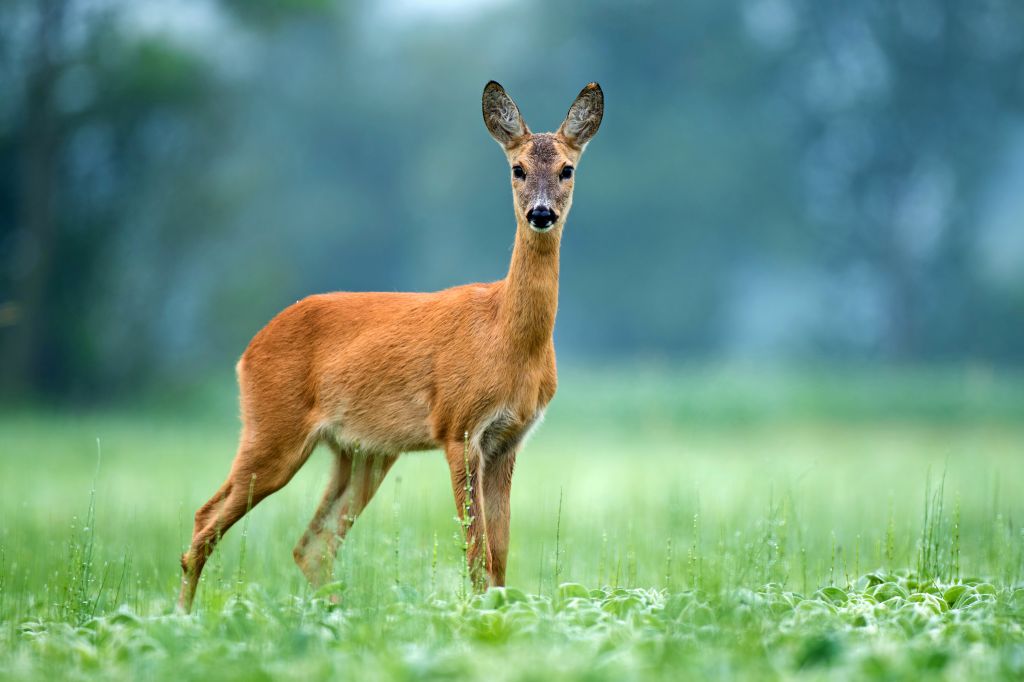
<point x="776" y="178"/>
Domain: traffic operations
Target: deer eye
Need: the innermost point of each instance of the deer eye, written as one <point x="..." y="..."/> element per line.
<point x="518" y="172"/>
<point x="566" y="173"/>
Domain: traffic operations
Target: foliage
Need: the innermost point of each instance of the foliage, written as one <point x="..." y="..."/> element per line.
<point x="968" y="630"/>
<point x="802" y="544"/>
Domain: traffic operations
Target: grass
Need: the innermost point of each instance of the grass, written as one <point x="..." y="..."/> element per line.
<point x="665" y="523"/>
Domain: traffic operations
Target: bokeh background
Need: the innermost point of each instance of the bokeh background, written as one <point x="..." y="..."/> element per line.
<point x="776" y="182"/>
<point x="790" y="336"/>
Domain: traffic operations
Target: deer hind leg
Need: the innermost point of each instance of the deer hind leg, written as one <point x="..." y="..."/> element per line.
<point x="261" y="468"/>
<point x="312" y="550"/>
<point x="355" y="480"/>
<point x="207" y="511"/>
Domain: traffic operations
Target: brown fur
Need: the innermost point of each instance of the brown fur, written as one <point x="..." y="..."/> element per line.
<point x="468" y="370"/>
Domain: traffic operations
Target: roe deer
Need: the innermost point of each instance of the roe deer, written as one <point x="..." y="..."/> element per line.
<point x="468" y="370"/>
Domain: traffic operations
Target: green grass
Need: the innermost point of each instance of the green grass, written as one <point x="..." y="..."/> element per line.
<point x="666" y="524"/>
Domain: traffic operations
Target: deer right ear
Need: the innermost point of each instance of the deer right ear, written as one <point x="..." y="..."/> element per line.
<point x="502" y="117"/>
<point x="584" y="117"/>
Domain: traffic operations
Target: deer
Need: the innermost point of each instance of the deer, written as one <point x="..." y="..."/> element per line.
<point x="467" y="370"/>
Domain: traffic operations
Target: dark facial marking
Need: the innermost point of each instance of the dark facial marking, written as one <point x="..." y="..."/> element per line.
<point x="543" y="151"/>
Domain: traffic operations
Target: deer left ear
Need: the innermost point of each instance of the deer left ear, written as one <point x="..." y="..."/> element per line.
<point x="502" y="117"/>
<point x="584" y="117"/>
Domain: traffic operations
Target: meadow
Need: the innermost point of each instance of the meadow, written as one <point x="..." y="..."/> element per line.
<point x="666" y="523"/>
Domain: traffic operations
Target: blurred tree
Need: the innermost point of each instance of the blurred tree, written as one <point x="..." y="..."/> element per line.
<point x="905" y="106"/>
<point x="796" y="179"/>
<point x="84" y="98"/>
<point x="36" y="211"/>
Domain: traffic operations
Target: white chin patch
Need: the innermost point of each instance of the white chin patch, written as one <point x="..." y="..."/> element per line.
<point x="542" y="230"/>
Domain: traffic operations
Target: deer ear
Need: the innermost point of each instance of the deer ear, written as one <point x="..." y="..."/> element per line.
<point x="584" y="117"/>
<point x="502" y="117"/>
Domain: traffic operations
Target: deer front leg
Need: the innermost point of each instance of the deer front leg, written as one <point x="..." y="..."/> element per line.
<point x="464" y="465"/>
<point x="497" y="488"/>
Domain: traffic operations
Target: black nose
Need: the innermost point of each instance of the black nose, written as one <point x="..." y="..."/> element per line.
<point x="541" y="216"/>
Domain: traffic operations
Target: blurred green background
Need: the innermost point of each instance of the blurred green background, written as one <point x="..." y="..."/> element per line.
<point x="776" y="182"/>
<point x="790" y="335"/>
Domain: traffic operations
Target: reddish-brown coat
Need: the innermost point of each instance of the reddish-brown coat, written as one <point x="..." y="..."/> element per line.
<point x="468" y="370"/>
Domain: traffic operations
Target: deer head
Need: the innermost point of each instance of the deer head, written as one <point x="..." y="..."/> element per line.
<point x="543" y="164"/>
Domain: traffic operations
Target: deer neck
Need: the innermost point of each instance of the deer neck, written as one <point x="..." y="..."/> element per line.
<point x="530" y="298"/>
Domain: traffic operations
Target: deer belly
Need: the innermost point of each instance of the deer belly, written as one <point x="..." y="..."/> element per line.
<point x="387" y="425"/>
